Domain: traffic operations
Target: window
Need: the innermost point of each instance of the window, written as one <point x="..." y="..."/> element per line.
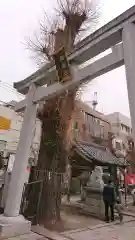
<point x="102" y="131"/>
<point x="2" y="144"/>
<point x="125" y="128"/>
<point x="76" y="129"/>
<point x="86" y="116"/>
<point x="118" y="146"/>
<point x="93" y="119"/>
<point x="128" y="129"/>
<point x="76" y="125"/>
<point x="97" y="120"/>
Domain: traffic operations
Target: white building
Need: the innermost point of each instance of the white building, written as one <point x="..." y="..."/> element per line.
<point x="122" y="129"/>
<point x="121" y="124"/>
<point x="9" y="138"/>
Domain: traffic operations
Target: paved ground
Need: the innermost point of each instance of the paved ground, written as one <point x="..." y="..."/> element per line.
<point x="98" y="232"/>
<point x="80" y="227"/>
<point x="30" y="236"/>
<point x="72" y="220"/>
<point x="104" y="232"/>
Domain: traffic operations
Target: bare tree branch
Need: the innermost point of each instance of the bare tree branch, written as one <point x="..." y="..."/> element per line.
<point x="76" y="16"/>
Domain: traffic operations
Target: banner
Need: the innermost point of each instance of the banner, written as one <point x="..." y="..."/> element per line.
<point x="4" y="123"/>
<point x="130" y="179"/>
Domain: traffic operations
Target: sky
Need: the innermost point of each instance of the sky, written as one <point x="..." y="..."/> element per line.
<point x="20" y="19"/>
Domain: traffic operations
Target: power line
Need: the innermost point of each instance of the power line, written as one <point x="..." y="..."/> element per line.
<point x="10" y="87"/>
<point x="11" y="90"/>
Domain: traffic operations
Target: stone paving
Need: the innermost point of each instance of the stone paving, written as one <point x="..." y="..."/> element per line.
<point x="30" y="236"/>
<point x="102" y="231"/>
<point x="106" y="231"/>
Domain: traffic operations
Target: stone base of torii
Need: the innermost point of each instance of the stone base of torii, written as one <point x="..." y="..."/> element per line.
<point x="11" y="223"/>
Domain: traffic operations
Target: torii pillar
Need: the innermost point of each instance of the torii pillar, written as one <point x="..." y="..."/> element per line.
<point x="128" y="37"/>
<point x="11" y="223"/>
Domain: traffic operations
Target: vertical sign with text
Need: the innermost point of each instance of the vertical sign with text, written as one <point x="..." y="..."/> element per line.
<point x="62" y="65"/>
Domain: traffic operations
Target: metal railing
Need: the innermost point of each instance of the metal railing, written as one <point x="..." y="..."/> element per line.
<point x="32" y="197"/>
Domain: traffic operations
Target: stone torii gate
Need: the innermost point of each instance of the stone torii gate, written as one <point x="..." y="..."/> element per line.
<point x="119" y="35"/>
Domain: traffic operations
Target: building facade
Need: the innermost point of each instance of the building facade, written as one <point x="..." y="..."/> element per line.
<point x="121" y="129"/>
<point x="89" y="125"/>
<point x="120" y="124"/>
<point x="9" y="137"/>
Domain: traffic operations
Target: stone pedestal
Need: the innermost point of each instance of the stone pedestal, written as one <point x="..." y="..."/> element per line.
<point x="94" y="193"/>
<point x="13" y="226"/>
<point x="95" y="202"/>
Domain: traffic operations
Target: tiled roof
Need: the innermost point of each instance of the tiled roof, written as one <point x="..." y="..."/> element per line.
<point x="98" y="154"/>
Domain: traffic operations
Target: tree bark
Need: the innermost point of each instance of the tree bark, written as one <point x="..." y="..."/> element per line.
<point x="55" y="145"/>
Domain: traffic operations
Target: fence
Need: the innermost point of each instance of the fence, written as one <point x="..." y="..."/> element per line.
<point x="31" y="196"/>
<point x="31" y="204"/>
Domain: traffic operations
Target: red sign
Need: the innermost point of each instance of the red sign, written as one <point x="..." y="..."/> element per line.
<point x="130" y="179"/>
<point x="28" y="169"/>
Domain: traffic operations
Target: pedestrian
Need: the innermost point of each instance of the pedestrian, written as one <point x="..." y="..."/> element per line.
<point x="119" y="208"/>
<point x="133" y="196"/>
<point x="109" y="200"/>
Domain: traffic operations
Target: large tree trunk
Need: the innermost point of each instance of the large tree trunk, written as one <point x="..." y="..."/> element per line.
<point x="55" y="145"/>
<point x="52" y="159"/>
<point x="51" y="166"/>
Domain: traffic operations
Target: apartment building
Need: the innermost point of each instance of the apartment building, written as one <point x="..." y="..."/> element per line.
<point x="89" y="125"/>
<point x="122" y="132"/>
<point x="121" y="124"/>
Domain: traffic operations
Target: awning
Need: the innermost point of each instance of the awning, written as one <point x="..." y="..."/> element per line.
<point x="98" y="155"/>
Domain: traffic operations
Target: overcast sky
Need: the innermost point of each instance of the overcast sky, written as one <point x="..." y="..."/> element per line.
<point x="20" y="18"/>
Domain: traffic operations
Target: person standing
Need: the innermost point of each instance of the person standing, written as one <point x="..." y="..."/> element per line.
<point x="119" y="207"/>
<point x="109" y="200"/>
<point x="133" y="196"/>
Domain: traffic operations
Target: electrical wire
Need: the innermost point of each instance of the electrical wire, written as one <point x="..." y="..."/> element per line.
<point x="10" y="90"/>
<point x="9" y="86"/>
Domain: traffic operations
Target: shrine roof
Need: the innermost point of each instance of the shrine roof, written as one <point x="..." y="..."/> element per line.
<point x="98" y="155"/>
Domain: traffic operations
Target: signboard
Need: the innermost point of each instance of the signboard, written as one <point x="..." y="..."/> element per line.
<point x="4" y="123"/>
<point x="62" y="65"/>
<point x="130" y="179"/>
<point x="11" y="163"/>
